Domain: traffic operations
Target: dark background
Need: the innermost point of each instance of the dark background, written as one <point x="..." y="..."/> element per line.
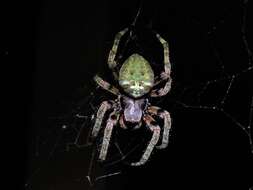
<point x="68" y="43"/>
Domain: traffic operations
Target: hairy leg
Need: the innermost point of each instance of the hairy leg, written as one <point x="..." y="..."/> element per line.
<point x="165" y="76"/>
<point x="111" y="122"/>
<point x="111" y="59"/>
<point x="165" y="115"/>
<point x="106" y="105"/>
<point x="155" y="137"/>
<point x="105" y="85"/>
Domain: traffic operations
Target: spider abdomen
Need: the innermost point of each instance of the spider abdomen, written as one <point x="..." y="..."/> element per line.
<point x="136" y="76"/>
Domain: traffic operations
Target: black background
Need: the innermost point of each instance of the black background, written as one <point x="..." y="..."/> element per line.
<point x="68" y="43"/>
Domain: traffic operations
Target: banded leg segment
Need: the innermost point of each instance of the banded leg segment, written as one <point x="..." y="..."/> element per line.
<point x="162" y="91"/>
<point x="105" y="85"/>
<point x="121" y="122"/>
<point x="100" y="115"/>
<point x="165" y="115"/>
<point x="167" y="65"/>
<point x="111" y="59"/>
<point x="111" y="122"/>
<point x="152" y="143"/>
<point x="167" y="70"/>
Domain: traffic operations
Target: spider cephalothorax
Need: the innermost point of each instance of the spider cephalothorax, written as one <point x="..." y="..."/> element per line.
<point x="132" y="109"/>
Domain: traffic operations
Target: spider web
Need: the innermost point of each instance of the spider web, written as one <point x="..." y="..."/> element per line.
<point x="64" y="142"/>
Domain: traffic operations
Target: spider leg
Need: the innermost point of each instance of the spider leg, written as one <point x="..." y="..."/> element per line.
<point x="111" y="59"/>
<point x="155" y="137"/>
<point x="121" y="122"/>
<point x="165" y="115"/>
<point x="164" y="76"/>
<point x="111" y="122"/>
<point x="106" y="105"/>
<point x="105" y="85"/>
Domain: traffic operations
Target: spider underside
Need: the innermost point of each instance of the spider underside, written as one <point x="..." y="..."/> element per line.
<point x="130" y="110"/>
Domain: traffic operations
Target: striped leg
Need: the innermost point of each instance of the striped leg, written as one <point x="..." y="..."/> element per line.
<point x="167" y="70"/>
<point x="105" y="85"/>
<point x="165" y="115"/>
<point x="111" y="122"/>
<point x="111" y="59"/>
<point x="100" y="115"/>
<point x="155" y="137"/>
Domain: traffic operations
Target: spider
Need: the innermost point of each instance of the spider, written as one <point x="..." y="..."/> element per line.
<point x="132" y="108"/>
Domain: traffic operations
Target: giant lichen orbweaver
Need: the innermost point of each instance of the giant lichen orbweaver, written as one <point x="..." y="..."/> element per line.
<point x="132" y="108"/>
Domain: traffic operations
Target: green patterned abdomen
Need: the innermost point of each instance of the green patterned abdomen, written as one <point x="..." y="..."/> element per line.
<point x="136" y="76"/>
